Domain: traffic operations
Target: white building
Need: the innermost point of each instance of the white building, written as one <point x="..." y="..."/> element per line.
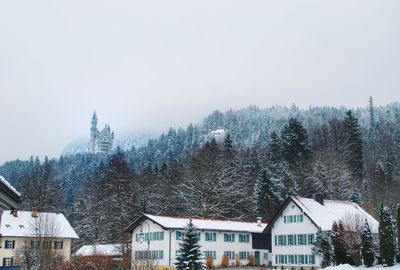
<point x="293" y="228"/>
<point x="100" y="141"/>
<point x="19" y="228"/>
<point x="217" y="237"/>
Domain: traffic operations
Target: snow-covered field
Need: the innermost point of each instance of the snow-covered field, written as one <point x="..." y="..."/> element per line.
<point x="349" y="267"/>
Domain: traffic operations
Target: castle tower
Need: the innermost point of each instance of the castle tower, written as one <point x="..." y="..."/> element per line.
<point x="93" y="133"/>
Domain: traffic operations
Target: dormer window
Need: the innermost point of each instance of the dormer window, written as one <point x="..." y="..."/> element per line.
<point x="8" y="226"/>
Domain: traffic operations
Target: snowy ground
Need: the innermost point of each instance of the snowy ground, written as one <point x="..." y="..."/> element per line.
<point x="349" y="267"/>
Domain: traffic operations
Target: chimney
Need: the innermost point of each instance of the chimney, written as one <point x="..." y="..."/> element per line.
<point x="259" y="221"/>
<point x="319" y="198"/>
<point x="34" y="213"/>
<point x="14" y="212"/>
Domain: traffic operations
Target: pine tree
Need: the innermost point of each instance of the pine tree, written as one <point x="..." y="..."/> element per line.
<point x="338" y="243"/>
<point x="367" y="251"/>
<point x="295" y="144"/>
<point x="354" y="155"/>
<point x="322" y="247"/>
<point x="190" y="257"/>
<point x="267" y="193"/>
<point x="386" y="236"/>
<point x="274" y="149"/>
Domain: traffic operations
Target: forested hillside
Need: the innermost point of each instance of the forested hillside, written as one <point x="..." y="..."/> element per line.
<point x="264" y="156"/>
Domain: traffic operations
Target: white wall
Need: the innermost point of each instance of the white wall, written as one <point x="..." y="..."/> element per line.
<point x="281" y="228"/>
<point x="219" y="246"/>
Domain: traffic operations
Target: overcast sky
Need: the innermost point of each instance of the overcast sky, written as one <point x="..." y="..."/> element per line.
<point x="147" y="65"/>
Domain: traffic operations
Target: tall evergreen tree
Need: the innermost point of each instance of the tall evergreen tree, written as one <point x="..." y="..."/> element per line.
<point x="367" y="251"/>
<point x="338" y="243"/>
<point x="275" y="149"/>
<point x="386" y="236"/>
<point x="267" y="193"/>
<point x="189" y="257"/>
<point x="354" y="155"/>
<point x="295" y="143"/>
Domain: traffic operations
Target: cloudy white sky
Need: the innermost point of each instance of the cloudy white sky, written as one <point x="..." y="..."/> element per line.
<point x="147" y="65"/>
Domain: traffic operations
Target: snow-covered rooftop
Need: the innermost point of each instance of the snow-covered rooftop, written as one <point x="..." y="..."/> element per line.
<point x="208" y="224"/>
<point x="105" y="250"/>
<point x="5" y="182"/>
<point x="324" y="215"/>
<point x="25" y="225"/>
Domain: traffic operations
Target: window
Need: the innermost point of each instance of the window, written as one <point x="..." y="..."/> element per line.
<point x="266" y="256"/>
<point x="281" y="259"/>
<point x="301" y="239"/>
<point x="311" y="259"/>
<point x="210" y="237"/>
<point x="35" y="244"/>
<point x="154" y="255"/>
<point x="150" y="236"/>
<point x="300" y="259"/>
<point x="310" y="238"/>
<point x="9" y="244"/>
<point x="244" y="255"/>
<point x="230" y="254"/>
<point x="179" y="235"/>
<point x="58" y="244"/>
<point x="281" y="240"/>
<point x="293" y="218"/>
<point x="8" y="226"/>
<point x="8" y="261"/>
<point x="47" y="244"/>
<point x="210" y="253"/>
<point x="291" y="259"/>
<point x="291" y="239"/>
<point x="21" y="226"/>
<point x="229" y="237"/>
<point x="244" y="238"/>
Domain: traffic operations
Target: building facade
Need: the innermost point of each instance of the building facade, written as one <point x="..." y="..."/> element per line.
<point x="294" y="227"/>
<point x="34" y="230"/>
<point x="160" y="237"/>
<point x="100" y="141"/>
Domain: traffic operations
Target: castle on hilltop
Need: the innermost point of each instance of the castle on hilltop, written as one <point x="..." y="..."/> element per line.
<point x="100" y="141"/>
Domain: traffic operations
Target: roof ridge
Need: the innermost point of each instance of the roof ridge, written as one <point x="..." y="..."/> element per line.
<point x="202" y="218"/>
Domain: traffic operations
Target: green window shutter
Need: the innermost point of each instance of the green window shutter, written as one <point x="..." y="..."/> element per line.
<point x="276" y="241"/>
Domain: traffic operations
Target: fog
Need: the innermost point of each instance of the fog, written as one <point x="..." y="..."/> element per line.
<point x="147" y="65"/>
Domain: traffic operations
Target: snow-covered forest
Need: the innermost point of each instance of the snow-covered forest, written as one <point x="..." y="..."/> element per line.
<point x="234" y="165"/>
